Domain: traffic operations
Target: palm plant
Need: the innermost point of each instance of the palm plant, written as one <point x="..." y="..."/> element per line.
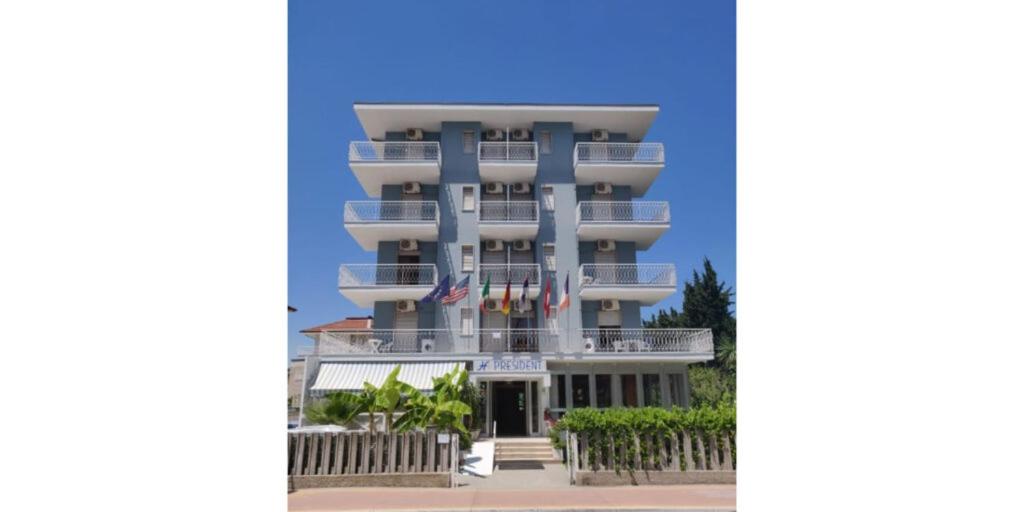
<point x="442" y="408"/>
<point x="337" y="408"/>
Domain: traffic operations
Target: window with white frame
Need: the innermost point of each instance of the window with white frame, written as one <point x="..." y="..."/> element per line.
<point x="549" y="257"/>
<point x="545" y="142"/>
<point x="547" y="194"/>
<point x="468" y="199"/>
<point x="467" y="258"/>
<point x="469" y="142"/>
<point x="467" y="321"/>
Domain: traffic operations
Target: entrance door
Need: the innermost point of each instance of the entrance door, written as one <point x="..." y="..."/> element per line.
<point x="510" y="408"/>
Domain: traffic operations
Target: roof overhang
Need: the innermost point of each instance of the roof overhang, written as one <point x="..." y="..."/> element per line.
<point x="379" y="118"/>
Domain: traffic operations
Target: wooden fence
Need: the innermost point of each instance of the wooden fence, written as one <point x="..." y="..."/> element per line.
<point x="360" y="453"/>
<point x="681" y="451"/>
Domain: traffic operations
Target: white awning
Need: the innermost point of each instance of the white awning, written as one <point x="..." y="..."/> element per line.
<point x="350" y="376"/>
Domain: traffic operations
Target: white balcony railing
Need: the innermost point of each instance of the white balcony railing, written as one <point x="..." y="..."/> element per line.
<point x="386" y="275"/>
<point x="647" y="340"/>
<point x="384" y="341"/>
<point x="399" y="212"/>
<point x="518" y="340"/>
<point x="525" y="152"/>
<point x="525" y="212"/>
<point x="396" y="341"/>
<point x="619" y="153"/>
<point x="515" y="273"/>
<point x="397" y="151"/>
<point x="630" y="212"/>
<point x="628" y="275"/>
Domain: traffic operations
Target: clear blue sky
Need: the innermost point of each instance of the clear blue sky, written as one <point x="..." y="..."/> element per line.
<point x="680" y="55"/>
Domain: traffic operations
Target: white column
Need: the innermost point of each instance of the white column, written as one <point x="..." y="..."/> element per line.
<point x="616" y="390"/>
<point x="488" y="394"/>
<point x="592" y="380"/>
<point x="686" y="386"/>
<point x="545" y="404"/>
<point x="529" y="408"/>
<point x="639" y="390"/>
<point x="665" y="395"/>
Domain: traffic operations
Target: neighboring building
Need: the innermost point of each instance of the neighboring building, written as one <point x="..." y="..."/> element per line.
<point x="510" y="193"/>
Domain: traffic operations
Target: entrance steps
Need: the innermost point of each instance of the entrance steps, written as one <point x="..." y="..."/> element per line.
<point x="525" y="449"/>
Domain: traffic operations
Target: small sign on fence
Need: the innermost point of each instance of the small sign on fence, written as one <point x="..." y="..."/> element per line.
<point x="443" y="438"/>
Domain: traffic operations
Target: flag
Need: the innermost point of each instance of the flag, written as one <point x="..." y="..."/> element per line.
<point x="525" y="295"/>
<point x="506" y="301"/>
<point x="547" y="295"/>
<point x="458" y="293"/>
<point x="563" y="302"/>
<point x="439" y="291"/>
<point x="485" y="293"/>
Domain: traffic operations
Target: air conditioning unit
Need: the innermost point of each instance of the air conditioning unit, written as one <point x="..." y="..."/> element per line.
<point x="494" y="245"/>
<point x="609" y="305"/>
<point x="411" y="187"/>
<point x="494" y="134"/>
<point x="492" y="305"/>
<point x="521" y="245"/>
<point x="589" y="346"/>
<point x="406" y="306"/>
<point x="599" y="135"/>
<point x="525" y="306"/>
<point x="521" y="188"/>
<point x="606" y="245"/>
<point x="407" y="245"/>
<point x="413" y="134"/>
<point x="426" y="346"/>
<point x="495" y="187"/>
<point x="602" y="188"/>
<point x="520" y="134"/>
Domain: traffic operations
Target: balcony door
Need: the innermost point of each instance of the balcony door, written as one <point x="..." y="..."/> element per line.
<point x="408" y="275"/>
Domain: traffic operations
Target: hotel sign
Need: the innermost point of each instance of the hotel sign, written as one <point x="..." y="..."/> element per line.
<point x="510" y="365"/>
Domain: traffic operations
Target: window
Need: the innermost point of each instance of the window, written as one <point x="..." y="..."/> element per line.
<point x="469" y="142"/>
<point x="545" y="142"/>
<point x="468" y="199"/>
<point x="652" y="390"/>
<point x="552" y="319"/>
<point x="547" y="193"/>
<point x="467" y="258"/>
<point x="467" y="321"/>
<point x="581" y="390"/>
<point x="603" y="387"/>
<point x="558" y="400"/>
<point x="549" y="257"/>
<point x="629" y="390"/>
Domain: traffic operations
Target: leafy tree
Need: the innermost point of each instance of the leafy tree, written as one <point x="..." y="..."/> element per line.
<point x="443" y="408"/>
<point x="706" y="305"/>
<point x="337" y="408"/>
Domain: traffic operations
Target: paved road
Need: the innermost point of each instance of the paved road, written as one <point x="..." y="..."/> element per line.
<point x="668" y="497"/>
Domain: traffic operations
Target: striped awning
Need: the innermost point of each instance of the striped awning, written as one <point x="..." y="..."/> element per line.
<point x="351" y="376"/>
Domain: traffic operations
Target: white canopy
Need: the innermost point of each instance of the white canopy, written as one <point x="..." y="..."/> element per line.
<point x="351" y="375"/>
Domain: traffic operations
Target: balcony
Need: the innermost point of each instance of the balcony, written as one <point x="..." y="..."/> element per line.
<point x="604" y="343"/>
<point x="619" y="163"/>
<point x="508" y="220"/>
<point x="641" y="341"/>
<point x="514" y="273"/>
<point x="365" y="284"/>
<point x="507" y="162"/>
<point x="390" y="341"/>
<point x="371" y="222"/>
<point x="642" y="222"/>
<point x="647" y="283"/>
<point x="376" y="164"/>
<point x="518" y="340"/>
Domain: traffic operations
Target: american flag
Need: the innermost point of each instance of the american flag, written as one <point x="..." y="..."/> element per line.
<point x="458" y="293"/>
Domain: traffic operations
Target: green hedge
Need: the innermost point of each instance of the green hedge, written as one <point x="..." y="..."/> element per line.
<point x="622" y="423"/>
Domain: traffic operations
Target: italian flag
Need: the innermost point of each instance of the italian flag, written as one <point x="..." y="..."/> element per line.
<point x="485" y="293"/>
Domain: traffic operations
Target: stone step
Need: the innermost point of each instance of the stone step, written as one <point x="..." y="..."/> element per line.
<point x="549" y="459"/>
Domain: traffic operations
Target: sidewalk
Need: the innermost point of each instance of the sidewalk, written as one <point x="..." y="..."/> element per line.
<point x="674" y="497"/>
